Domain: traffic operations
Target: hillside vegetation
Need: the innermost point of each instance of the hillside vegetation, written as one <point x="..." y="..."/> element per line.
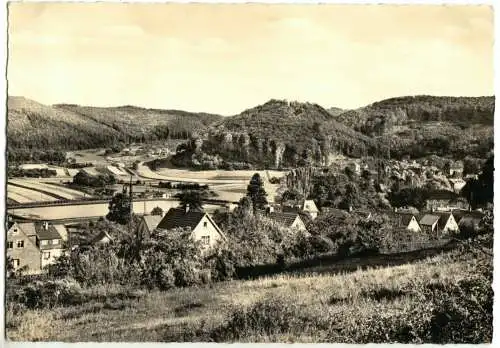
<point x="423" y="125"/>
<point x="32" y="125"/>
<point x="278" y="134"/>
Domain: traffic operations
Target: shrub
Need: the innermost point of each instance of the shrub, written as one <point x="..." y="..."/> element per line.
<point x="266" y="317"/>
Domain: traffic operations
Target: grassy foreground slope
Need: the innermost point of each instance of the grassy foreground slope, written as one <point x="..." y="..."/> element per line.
<point x="440" y="299"/>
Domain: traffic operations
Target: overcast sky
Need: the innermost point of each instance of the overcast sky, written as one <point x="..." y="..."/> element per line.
<point x="226" y="58"/>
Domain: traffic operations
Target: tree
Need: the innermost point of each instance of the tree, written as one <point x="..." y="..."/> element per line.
<point x="193" y="198"/>
<point x="119" y="208"/>
<point x="256" y="192"/>
<point x="157" y="211"/>
<point x="479" y="192"/>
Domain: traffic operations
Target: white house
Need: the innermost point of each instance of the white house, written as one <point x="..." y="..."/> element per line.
<point x="203" y="228"/>
<point x="447" y="224"/>
<point x="310" y="207"/>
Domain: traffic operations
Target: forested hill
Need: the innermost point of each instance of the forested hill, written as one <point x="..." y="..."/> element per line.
<point x="382" y="116"/>
<point x="284" y="133"/>
<point x="34" y="125"/>
<point x="423" y="125"/>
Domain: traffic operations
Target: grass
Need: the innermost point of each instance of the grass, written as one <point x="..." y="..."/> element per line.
<point x="200" y="314"/>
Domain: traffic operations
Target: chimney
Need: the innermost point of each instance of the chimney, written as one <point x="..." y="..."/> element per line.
<point x="45" y="225"/>
<point x="350" y="208"/>
<point x="187" y="207"/>
<point x="395" y="209"/>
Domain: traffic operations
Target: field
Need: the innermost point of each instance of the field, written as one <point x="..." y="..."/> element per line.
<point x="300" y="307"/>
<point x="62" y="192"/>
<point x="229" y="185"/>
<point x="24" y="195"/>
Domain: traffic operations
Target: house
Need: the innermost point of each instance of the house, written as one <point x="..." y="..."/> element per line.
<point x="287" y="219"/>
<point x="457" y="184"/>
<point x="447" y="224"/>
<point x="202" y="227"/>
<point x="429" y="223"/>
<point x="101" y="238"/>
<point x="148" y="224"/>
<point x="407" y="221"/>
<point x="34" y="245"/>
<point x="22" y="247"/>
<point x="444" y="200"/>
<point x="456" y="169"/>
<point x="50" y="243"/>
<point x="310" y="207"/>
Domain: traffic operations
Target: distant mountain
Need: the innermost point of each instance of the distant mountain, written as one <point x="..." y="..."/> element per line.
<point x="37" y="126"/>
<point x="384" y="115"/>
<point x="422" y="125"/>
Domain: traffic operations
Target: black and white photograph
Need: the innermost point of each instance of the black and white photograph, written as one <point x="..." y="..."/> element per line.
<point x="249" y="173"/>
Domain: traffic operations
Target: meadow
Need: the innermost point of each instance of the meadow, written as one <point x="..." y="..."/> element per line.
<point x="387" y="304"/>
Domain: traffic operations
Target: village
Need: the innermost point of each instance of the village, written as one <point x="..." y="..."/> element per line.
<point x="35" y="241"/>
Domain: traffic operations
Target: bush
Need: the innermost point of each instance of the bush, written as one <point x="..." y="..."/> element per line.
<point x="266" y="317"/>
<point x="48" y="294"/>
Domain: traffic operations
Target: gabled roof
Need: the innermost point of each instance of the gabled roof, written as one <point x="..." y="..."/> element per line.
<point x="28" y="228"/>
<point x="101" y="236"/>
<point x="152" y="221"/>
<point x="46" y="234"/>
<point x="285" y="219"/>
<point x="402" y="219"/>
<point x="10" y="224"/>
<point x="310" y="206"/>
<point x="179" y="218"/>
<point x="443" y="219"/>
<point x="428" y="220"/>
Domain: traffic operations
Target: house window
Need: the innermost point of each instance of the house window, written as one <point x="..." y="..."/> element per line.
<point x="55" y="241"/>
<point x="205" y="224"/>
<point x="307" y="206"/>
<point x="20" y="243"/>
<point x="205" y="240"/>
<point x="10" y="245"/>
<point x="46" y="255"/>
<point x="44" y="242"/>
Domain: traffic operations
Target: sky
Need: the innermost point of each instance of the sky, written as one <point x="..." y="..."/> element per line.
<point x="224" y="58"/>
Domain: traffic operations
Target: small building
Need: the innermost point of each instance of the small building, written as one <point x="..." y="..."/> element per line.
<point x="101" y="238"/>
<point x="310" y="207"/>
<point x="50" y="243"/>
<point x="288" y="220"/>
<point x="364" y="214"/>
<point x="429" y="223"/>
<point x="456" y="169"/>
<point x="22" y="247"/>
<point x="34" y="245"/>
<point x="203" y="228"/>
<point x="447" y="224"/>
<point x="148" y="224"/>
<point x="407" y="221"/>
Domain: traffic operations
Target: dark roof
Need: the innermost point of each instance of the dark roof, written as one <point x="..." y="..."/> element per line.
<point x="179" y="218"/>
<point x="45" y="234"/>
<point x="442" y="195"/>
<point x="10" y="223"/>
<point x="285" y="219"/>
<point x="428" y="219"/>
<point x="401" y="219"/>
